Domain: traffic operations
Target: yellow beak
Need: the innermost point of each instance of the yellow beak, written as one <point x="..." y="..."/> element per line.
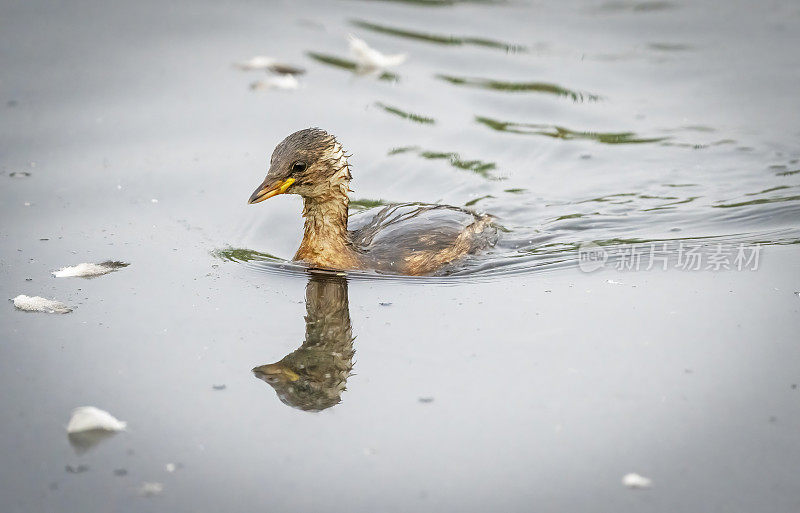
<point x="268" y="190"/>
<point x="276" y="370"/>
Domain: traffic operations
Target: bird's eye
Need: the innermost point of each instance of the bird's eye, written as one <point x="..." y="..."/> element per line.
<point x="298" y="167"/>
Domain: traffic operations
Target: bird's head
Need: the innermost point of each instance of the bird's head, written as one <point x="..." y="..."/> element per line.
<point x="310" y="163"/>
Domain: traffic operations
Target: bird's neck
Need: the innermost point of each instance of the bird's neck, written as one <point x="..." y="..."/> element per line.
<point x="326" y="242"/>
<point x="326" y="219"/>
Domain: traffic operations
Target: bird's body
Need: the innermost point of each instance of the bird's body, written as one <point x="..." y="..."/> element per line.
<point x="410" y="239"/>
<point x="418" y="239"/>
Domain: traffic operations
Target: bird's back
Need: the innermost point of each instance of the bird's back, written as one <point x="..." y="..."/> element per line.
<point x="418" y="239"/>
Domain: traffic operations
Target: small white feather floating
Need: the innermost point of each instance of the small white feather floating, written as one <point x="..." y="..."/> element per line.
<point x="263" y="63"/>
<point x="259" y="62"/>
<point x="636" y="482"/>
<point x="370" y="59"/>
<point x="89" y="418"/>
<point x="88" y="270"/>
<point x="151" y="489"/>
<point x="40" y="304"/>
<point x="284" y="82"/>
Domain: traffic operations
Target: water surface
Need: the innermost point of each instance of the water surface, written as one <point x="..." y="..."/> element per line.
<point x="514" y="381"/>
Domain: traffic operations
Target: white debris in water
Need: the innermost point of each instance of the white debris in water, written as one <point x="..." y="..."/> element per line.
<point x="89" y="418"/>
<point x="284" y="82"/>
<point x="171" y="467"/>
<point x="88" y="270"/>
<point x="153" y="200"/>
<point x="150" y="489"/>
<point x="40" y="304"/>
<point x="636" y="482"/>
<point x="370" y="59"/>
<point x="264" y="63"/>
<point x="259" y="62"/>
<point x="614" y="282"/>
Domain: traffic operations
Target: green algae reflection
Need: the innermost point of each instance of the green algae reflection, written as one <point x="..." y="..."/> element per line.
<point x="441" y="3"/>
<point x="438" y="38"/>
<point x="519" y="87"/>
<point x="634" y="6"/>
<point x="479" y="167"/>
<point x="347" y="64"/>
<point x="364" y="204"/>
<point x="761" y="201"/>
<point x="244" y="255"/>
<point x="416" y="118"/>
<point x="475" y="201"/>
<point x="560" y="132"/>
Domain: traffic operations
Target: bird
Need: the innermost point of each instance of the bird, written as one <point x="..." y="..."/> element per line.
<point x="411" y="239"/>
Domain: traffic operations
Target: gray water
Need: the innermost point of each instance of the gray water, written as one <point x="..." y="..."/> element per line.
<point x="515" y="382"/>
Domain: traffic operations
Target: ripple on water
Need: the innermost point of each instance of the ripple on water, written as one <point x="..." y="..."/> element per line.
<point x="439" y="39"/>
<point x="641" y="184"/>
<point x="441" y="3"/>
<point x="560" y="132"/>
<point x="479" y="167"/>
<point x="636" y="6"/>
<point x="519" y="87"/>
<point x="538" y="252"/>
<point x="357" y="205"/>
<point x="415" y="118"/>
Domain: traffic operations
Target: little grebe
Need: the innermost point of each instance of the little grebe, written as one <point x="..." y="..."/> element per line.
<point x="410" y="239"/>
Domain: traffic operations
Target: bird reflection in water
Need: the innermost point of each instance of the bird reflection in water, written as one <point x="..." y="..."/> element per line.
<point x="313" y="377"/>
